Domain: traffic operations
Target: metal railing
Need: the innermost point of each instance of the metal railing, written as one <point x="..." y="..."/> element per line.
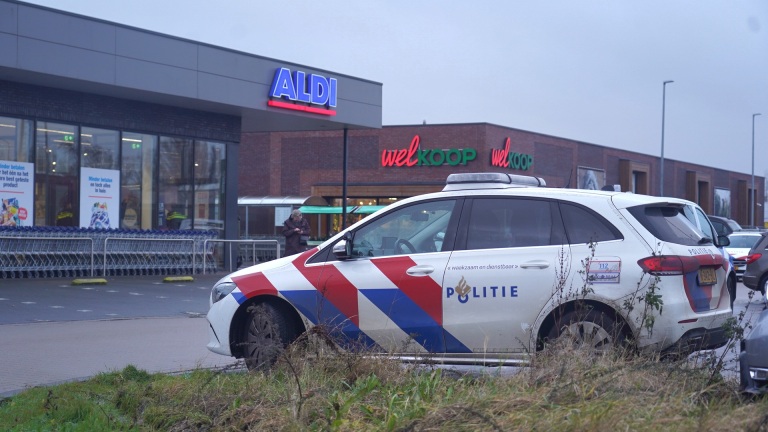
<point x="31" y="252"/>
<point x="34" y="256"/>
<point x="256" y="254"/>
<point x="126" y="256"/>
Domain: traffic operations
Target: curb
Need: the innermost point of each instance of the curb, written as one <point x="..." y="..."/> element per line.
<point x="89" y="281"/>
<point x="178" y="279"/>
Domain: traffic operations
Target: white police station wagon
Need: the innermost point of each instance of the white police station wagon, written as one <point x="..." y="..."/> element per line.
<point x="487" y="271"/>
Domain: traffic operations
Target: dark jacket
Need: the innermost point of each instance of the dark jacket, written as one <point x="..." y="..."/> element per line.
<point x="65" y="218"/>
<point x="292" y="238"/>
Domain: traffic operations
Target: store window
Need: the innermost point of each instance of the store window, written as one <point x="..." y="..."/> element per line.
<point x="16" y="172"/>
<point x="175" y="183"/>
<point x="15" y="140"/>
<point x="137" y="191"/>
<point x="99" y="148"/>
<point x="210" y="168"/>
<point x="56" y="174"/>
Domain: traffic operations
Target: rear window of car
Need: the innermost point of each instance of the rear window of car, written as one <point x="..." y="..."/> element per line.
<point x="743" y="241"/>
<point x="762" y="244"/>
<point x="669" y="224"/>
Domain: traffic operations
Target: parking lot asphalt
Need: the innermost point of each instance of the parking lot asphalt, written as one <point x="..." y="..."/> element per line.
<point x="52" y="331"/>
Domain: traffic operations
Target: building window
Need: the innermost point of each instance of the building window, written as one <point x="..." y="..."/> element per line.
<point x="210" y="169"/>
<point x="698" y="189"/>
<point x="633" y="176"/>
<point x="99" y="148"/>
<point x="15" y="140"/>
<point x="137" y="191"/>
<point x="175" y="183"/>
<point x="56" y="179"/>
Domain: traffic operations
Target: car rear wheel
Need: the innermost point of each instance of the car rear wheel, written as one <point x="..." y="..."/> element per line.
<point x="266" y="335"/>
<point x="593" y="330"/>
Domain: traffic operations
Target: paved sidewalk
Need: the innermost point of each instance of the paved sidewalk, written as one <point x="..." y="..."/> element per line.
<point x="159" y="328"/>
<point x="50" y="353"/>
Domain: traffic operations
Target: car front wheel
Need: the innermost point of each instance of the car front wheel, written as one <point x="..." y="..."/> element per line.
<point x="266" y="335"/>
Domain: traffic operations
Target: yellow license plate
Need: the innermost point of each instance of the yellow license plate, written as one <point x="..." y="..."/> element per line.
<point x="707" y="276"/>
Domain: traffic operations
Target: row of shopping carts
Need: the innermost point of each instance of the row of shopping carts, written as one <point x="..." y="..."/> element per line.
<point x="31" y="252"/>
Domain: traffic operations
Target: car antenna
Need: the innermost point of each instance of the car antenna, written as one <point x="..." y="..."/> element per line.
<point x="567" y="185"/>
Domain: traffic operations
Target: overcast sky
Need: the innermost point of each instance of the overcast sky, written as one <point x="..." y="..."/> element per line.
<point x="587" y="70"/>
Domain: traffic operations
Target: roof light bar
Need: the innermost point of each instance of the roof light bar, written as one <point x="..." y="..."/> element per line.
<point x="491" y="180"/>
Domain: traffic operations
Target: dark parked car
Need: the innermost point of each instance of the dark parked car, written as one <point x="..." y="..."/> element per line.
<point x="756" y="275"/>
<point x="723" y="225"/>
<point x="753" y="360"/>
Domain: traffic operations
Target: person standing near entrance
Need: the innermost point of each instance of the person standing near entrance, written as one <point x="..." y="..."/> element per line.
<point x="296" y="231"/>
<point x="65" y="217"/>
<point x="174" y="218"/>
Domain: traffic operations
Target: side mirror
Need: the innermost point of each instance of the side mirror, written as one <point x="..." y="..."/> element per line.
<point x="343" y="248"/>
<point x="723" y="241"/>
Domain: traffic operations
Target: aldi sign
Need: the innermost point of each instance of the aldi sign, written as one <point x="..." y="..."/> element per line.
<point x="298" y="91"/>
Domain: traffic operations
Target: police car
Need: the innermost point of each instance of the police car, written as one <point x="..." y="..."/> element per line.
<point x="487" y="271"/>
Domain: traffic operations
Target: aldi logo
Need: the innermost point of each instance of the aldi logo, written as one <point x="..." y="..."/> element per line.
<point x="298" y="91"/>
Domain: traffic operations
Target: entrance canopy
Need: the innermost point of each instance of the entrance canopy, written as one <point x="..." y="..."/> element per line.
<point x="280" y="201"/>
<point x="337" y="210"/>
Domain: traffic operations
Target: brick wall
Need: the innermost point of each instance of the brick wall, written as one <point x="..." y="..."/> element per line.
<point x="299" y="160"/>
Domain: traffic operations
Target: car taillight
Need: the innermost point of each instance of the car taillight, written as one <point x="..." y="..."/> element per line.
<point x="752" y="257"/>
<point x="669" y="265"/>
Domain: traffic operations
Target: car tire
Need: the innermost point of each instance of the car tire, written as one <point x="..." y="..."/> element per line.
<point x="593" y="329"/>
<point x="744" y="381"/>
<point x="266" y="336"/>
<point x="732" y="288"/>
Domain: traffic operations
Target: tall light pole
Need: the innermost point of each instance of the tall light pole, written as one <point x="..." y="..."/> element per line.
<point x="663" y="104"/>
<point x="754" y="194"/>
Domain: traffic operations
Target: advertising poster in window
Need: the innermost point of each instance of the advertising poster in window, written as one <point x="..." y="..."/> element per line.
<point x="17" y="181"/>
<point x="99" y="198"/>
<point x="591" y="178"/>
<point x="722" y="202"/>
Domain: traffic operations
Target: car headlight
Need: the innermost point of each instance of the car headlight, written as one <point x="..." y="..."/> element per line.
<point x="221" y="290"/>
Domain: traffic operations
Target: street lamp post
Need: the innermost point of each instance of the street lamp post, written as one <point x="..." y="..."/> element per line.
<point x="663" y="104"/>
<point x="754" y="194"/>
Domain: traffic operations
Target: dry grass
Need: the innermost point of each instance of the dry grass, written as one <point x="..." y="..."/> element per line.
<point x="314" y="389"/>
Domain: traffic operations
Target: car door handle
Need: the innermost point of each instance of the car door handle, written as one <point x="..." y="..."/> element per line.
<point x="420" y="270"/>
<point x="537" y="264"/>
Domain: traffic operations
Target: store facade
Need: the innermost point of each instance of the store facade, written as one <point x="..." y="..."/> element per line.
<point x="109" y="126"/>
<point x="396" y="162"/>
